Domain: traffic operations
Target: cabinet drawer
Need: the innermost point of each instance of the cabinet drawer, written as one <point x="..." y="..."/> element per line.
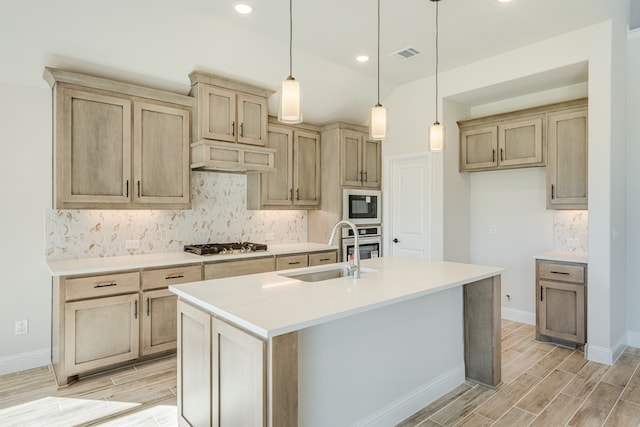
<point x="98" y="286"/>
<point x="573" y="273"/>
<point x="292" y="261"/>
<point x="320" y="258"/>
<point x="218" y="270"/>
<point x="161" y="278"/>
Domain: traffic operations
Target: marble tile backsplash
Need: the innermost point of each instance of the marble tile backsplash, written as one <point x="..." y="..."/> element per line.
<point x="219" y="214"/>
<point x="570" y="231"/>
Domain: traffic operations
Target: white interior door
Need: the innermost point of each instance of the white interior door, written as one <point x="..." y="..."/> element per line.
<point x="409" y="198"/>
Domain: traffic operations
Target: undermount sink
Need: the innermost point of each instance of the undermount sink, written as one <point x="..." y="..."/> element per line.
<point x="326" y="274"/>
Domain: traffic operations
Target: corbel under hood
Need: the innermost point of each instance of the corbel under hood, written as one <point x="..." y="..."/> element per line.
<point x="217" y="156"/>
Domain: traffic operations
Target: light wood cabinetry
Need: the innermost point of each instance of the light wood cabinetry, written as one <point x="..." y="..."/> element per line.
<point x="502" y="142"/>
<point x="228" y="110"/>
<point x="561" y="301"/>
<point x="568" y="159"/>
<point x="360" y="160"/>
<point x="238" y="267"/>
<point x="118" y="145"/>
<point x="321" y="258"/>
<point x="295" y="184"/>
<point x="285" y="262"/>
<point x="100" y="321"/>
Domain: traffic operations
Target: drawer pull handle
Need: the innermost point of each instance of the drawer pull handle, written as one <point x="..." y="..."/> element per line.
<point x="560" y="272"/>
<point x="135" y="309"/>
<point x="294" y="263"/>
<point x="104" y="285"/>
<point x="541" y="290"/>
<point x="177" y="276"/>
<point x="325" y="259"/>
<point x="148" y="306"/>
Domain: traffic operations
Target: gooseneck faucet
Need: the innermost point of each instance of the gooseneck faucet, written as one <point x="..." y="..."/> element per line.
<point x="356" y="247"/>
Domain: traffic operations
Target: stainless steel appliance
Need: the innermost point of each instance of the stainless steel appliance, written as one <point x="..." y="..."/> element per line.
<point x="225" y="248"/>
<point x="370" y="239"/>
<point x="362" y="206"/>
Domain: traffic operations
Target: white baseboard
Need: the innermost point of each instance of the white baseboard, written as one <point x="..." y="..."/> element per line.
<point x="412" y="402"/>
<point x="24" y="361"/>
<point x="519" y="316"/>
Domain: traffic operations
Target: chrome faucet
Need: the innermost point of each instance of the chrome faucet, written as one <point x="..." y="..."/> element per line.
<point x="355" y="268"/>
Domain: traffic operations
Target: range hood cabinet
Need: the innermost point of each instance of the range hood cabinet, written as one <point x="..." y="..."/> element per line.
<point x="225" y="157"/>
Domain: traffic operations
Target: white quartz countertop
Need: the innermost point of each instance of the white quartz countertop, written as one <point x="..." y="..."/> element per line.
<point x="270" y="304"/>
<point x="581" y="257"/>
<point x="108" y="264"/>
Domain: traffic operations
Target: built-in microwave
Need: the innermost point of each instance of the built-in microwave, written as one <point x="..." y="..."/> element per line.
<point x="362" y="206"/>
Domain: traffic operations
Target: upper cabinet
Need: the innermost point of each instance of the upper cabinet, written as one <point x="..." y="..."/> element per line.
<point x="228" y="110"/>
<point x="360" y="160"/>
<point x="568" y="159"/>
<point x="118" y="145"/>
<point x="502" y="142"/>
<point x="295" y="183"/>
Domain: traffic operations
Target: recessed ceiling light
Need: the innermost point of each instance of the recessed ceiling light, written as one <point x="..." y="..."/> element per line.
<point x="242" y="8"/>
<point x="504" y="1"/>
<point x="362" y="58"/>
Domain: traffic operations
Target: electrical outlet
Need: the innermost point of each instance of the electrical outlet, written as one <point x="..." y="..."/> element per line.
<point x="22" y="327"/>
<point x="492" y="229"/>
<point x="132" y="244"/>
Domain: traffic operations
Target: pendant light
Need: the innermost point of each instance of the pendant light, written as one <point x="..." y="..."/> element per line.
<point x="289" y="91"/>
<point x="436" y="131"/>
<point x="378" y="121"/>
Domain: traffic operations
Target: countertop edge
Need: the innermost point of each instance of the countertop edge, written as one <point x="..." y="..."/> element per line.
<point x="578" y="257"/>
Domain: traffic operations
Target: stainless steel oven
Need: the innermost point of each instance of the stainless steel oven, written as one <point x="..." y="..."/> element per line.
<point x="369" y="239"/>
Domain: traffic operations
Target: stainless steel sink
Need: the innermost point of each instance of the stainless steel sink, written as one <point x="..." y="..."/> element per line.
<point x="326" y="274"/>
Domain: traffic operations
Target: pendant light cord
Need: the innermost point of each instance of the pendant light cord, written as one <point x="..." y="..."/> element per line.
<point x="290" y="39"/>
<point x="378" y="54"/>
<point x="437" y="56"/>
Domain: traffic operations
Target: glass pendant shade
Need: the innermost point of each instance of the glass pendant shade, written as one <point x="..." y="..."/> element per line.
<point x="289" y="101"/>
<point x="436" y="137"/>
<point x="378" y="122"/>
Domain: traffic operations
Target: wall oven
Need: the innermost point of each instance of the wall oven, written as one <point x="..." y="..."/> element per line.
<point x="362" y="206"/>
<point x="369" y="239"/>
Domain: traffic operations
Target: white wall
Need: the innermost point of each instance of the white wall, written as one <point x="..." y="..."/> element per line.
<point x="590" y="45"/>
<point x="25" y="135"/>
<point x="633" y="195"/>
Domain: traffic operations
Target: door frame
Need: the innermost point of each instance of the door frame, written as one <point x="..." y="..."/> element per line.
<point x="434" y="197"/>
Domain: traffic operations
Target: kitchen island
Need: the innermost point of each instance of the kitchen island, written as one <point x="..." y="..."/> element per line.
<point x="269" y="349"/>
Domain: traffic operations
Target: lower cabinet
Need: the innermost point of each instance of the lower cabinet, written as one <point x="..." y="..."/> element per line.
<point x="100" y="321"/>
<point x="100" y="332"/>
<point x="561" y="301"/>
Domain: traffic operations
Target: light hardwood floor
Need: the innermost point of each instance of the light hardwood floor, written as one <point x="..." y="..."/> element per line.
<point x="543" y="385"/>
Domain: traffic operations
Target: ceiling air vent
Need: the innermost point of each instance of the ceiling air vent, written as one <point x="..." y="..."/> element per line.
<point x="407" y="52"/>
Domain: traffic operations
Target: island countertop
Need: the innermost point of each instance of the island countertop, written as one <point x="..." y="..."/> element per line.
<point x="270" y="304"/>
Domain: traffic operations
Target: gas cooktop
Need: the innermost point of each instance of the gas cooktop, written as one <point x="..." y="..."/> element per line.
<point x="225" y="248"/>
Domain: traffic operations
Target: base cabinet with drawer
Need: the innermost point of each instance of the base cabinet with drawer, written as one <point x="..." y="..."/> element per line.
<point x="561" y="301"/>
<point x="100" y="321"/>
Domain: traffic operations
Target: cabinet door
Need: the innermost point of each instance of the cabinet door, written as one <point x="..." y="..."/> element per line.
<point x="252" y="119"/>
<point x="520" y="142"/>
<point x="93" y="148"/>
<point x="562" y="311"/>
<point x="277" y="187"/>
<point x="161" y="154"/>
<point x="100" y="332"/>
<point x="306" y="168"/>
<point x="478" y="148"/>
<point x="351" y="158"/>
<point x="568" y="160"/>
<point x="159" y="321"/>
<point x="371" y="163"/>
<point x="217" y="113"/>
<point x="239" y="377"/>
<point x="194" y="366"/>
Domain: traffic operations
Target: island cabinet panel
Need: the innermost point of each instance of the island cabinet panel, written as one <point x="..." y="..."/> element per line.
<point x="482" y="340"/>
<point x="320" y="258"/>
<point x="100" y="332"/>
<point x="285" y="262"/>
<point x="239" y="377"/>
<point x="194" y="366"/>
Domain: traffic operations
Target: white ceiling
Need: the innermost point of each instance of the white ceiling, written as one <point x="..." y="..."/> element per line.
<point x="158" y="42"/>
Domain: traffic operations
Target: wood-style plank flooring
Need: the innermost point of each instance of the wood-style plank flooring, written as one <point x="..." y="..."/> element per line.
<point x="543" y="385"/>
